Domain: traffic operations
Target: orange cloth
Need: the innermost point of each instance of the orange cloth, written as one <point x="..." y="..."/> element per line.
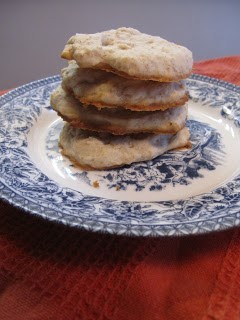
<point x="49" y="271"/>
<point x="227" y="68"/>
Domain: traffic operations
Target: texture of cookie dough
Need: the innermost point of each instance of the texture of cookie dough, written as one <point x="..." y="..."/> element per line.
<point x="130" y="53"/>
<point x="99" y="88"/>
<point x="117" y="121"/>
<point x="105" y="151"/>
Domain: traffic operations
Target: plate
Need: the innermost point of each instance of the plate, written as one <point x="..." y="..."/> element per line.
<point x="182" y="192"/>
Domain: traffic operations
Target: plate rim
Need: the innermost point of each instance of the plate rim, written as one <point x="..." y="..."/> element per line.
<point x="111" y="227"/>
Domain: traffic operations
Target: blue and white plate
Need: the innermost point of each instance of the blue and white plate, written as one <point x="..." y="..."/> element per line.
<point x="181" y="192"/>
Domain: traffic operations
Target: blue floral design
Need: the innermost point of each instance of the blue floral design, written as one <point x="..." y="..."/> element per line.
<point x="24" y="185"/>
<point x="171" y="168"/>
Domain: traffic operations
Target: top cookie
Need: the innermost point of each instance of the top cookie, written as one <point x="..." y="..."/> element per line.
<point x="131" y="54"/>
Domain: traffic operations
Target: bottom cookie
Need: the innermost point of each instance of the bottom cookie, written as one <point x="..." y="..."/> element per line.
<point x="100" y="151"/>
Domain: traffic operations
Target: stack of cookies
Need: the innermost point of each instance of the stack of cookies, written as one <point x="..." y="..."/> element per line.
<point x="123" y="98"/>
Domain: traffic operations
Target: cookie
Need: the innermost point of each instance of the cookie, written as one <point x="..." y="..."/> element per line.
<point x="101" y="88"/>
<point x="104" y="151"/>
<point x="117" y="121"/>
<point x="131" y="54"/>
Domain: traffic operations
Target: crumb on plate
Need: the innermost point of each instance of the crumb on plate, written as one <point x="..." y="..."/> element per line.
<point x="96" y="184"/>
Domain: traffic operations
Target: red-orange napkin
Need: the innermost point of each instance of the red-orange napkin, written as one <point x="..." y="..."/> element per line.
<point x="49" y="271"/>
<point x="227" y="68"/>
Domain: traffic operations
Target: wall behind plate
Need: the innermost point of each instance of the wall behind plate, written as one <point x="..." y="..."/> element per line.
<point x="33" y="33"/>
